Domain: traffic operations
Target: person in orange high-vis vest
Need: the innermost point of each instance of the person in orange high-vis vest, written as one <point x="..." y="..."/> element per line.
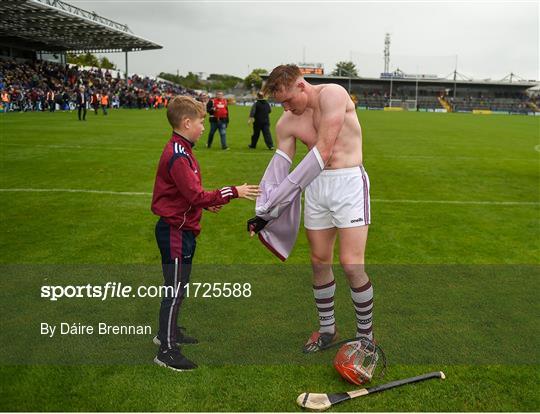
<point x="159" y="102"/>
<point x="104" y="103"/>
<point x="6" y="101"/>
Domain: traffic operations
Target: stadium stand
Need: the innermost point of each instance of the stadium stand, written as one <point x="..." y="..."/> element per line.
<point x="53" y="26"/>
<point x="27" y="84"/>
<point x="371" y="100"/>
<point x="429" y="102"/>
<point x="439" y="94"/>
<point x="34" y="32"/>
<point x="467" y="104"/>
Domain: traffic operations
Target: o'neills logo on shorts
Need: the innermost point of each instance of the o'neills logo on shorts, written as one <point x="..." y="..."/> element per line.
<point x="358" y="220"/>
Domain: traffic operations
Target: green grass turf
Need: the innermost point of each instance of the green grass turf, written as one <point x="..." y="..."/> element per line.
<point x="409" y="156"/>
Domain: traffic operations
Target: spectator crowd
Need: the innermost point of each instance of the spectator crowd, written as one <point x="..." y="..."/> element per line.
<point x="46" y="86"/>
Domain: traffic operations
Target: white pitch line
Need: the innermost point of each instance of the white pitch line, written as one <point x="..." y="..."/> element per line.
<point x="495" y="203"/>
<point x="443" y="157"/>
<point x="71" y="190"/>
<point x="76" y="147"/>
<point x="376" y="200"/>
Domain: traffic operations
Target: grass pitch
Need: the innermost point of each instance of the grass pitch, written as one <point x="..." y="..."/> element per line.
<point x="452" y="195"/>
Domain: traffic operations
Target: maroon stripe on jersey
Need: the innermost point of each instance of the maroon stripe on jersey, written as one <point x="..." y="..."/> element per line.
<point x="363" y="304"/>
<point x="331" y="308"/>
<point x="332" y="283"/>
<point x="362" y="288"/>
<point x="269" y="247"/>
<point x="325" y="300"/>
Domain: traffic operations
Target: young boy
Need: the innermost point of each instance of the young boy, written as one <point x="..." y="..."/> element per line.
<point x="179" y="199"/>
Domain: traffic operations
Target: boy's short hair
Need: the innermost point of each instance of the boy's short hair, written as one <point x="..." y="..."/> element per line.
<point x="282" y="76"/>
<point x="181" y="107"/>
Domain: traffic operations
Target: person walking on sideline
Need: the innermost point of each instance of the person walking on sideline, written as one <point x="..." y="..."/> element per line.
<point x="260" y="117"/>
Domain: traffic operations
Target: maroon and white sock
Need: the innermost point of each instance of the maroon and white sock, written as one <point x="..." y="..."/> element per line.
<point x="324" y="299"/>
<point x="362" y="298"/>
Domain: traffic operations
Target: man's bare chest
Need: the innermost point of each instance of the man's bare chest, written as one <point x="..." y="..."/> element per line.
<point x="306" y="130"/>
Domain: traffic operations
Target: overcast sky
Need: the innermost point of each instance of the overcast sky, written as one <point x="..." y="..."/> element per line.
<point x="490" y="39"/>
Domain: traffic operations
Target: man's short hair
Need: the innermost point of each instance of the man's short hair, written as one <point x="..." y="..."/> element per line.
<point x="181" y="107"/>
<point x="282" y="77"/>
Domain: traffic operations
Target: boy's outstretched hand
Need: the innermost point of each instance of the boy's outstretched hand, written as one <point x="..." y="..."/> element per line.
<point x="251" y="192"/>
<point x="214" y="209"/>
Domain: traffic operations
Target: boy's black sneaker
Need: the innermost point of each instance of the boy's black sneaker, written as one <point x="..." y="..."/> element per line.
<point x="181" y="338"/>
<point x="172" y="358"/>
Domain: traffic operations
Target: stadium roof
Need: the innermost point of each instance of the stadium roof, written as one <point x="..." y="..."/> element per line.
<point x="56" y="26"/>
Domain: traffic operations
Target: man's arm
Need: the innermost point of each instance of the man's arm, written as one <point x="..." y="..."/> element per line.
<point x="188" y="185"/>
<point x="276" y="171"/>
<point x="286" y="142"/>
<point x="333" y="105"/>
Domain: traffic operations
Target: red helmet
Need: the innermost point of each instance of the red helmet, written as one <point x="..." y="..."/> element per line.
<point x="356" y="361"/>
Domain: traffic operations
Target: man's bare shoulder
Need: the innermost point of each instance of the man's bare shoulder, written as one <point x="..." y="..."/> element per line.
<point x="332" y="91"/>
<point x="285" y="122"/>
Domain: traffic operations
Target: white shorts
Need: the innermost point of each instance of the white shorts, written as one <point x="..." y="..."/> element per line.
<point x="338" y="198"/>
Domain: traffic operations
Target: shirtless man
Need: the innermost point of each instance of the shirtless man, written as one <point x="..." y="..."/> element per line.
<point x="323" y="117"/>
